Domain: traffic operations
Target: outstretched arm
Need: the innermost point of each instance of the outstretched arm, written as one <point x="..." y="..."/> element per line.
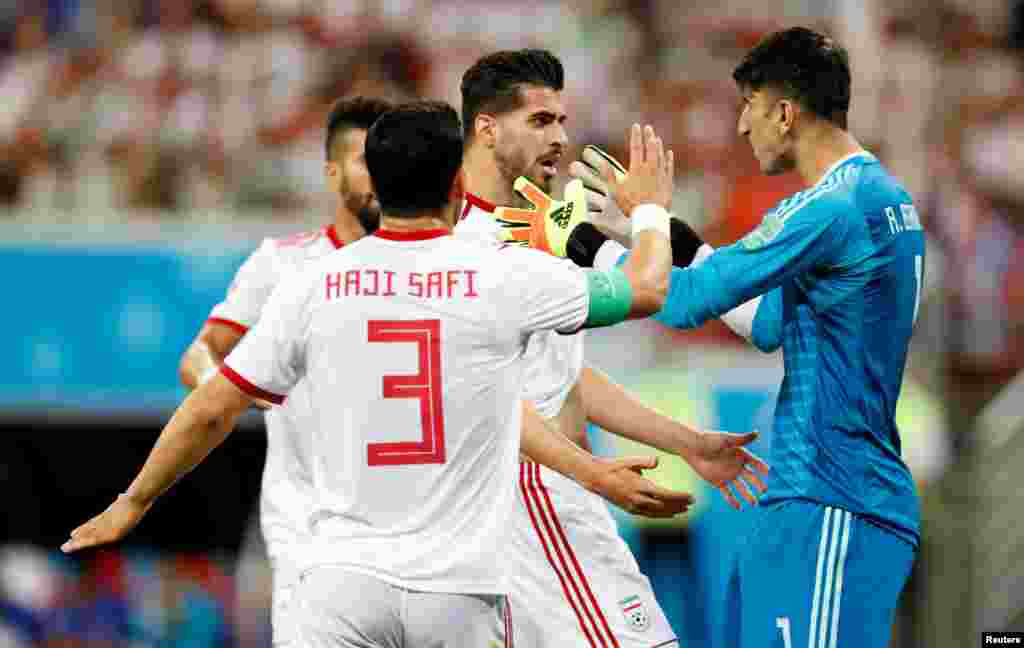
<point x="199" y="425"/>
<point x="718" y="457"/>
<point x="807" y="235"/>
<point x="618" y="481"/>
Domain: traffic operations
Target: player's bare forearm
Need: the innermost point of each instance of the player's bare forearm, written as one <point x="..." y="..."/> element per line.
<point x="619" y="481"/>
<point x="614" y="409"/>
<point x="718" y="457"/>
<point x="199" y="425"/>
<point x="543" y="444"/>
<point x="648" y="270"/>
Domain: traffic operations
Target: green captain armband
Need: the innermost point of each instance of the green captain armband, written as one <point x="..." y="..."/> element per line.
<point x="611" y="297"/>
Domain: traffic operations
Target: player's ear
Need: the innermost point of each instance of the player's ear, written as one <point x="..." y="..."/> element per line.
<point x="485" y="128"/>
<point x="787" y="115"/>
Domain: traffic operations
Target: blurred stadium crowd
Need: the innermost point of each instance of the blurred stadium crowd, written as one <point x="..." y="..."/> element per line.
<point x="166" y="107"/>
<point x="141" y="110"/>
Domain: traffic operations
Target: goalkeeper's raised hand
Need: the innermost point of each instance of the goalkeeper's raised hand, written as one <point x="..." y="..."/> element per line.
<point x="591" y="169"/>
<point x="548" y="224"/>
<point x="594" y="165"/>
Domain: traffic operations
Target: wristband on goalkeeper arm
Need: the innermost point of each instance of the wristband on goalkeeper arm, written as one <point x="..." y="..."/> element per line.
<point x="685" y="241"/>
<point x="549" y="223"/>
<point x="586" y="241"/>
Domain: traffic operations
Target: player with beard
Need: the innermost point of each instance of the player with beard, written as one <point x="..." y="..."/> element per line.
<point x="285" y="499"/>
<point x="406" y="548"/>
<point x="574" y="582"/>
<point x="285" y="494"/>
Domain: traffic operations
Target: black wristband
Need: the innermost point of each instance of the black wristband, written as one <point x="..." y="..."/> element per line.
<point x="584" y="242"/>
<point x="685" y="243"/>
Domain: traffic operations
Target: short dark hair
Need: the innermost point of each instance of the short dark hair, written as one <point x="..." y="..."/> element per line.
<point x="493" y="83"/>
<point x="354" y="112"/>
<point x="803" y="65"/>
<point x="413" y="153"/>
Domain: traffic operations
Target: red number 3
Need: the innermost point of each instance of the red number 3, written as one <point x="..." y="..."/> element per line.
<point x="425" y="385"/>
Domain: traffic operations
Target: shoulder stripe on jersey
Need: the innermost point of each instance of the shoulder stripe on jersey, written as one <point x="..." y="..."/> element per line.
<point x="785" y="212"/>
<point x="238" y="326"/>
<point x="572" y="556"/>
<point x="528" y="490"/>
<point x="248" y="387"/>
<point x="797" y="201"/>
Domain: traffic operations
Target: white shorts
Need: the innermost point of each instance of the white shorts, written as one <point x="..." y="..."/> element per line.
<point x="334" y="607"/>
<point x="573" y="581"/>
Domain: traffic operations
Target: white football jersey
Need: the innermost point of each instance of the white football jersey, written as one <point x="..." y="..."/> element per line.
<point x="286" y="492"/>
<point x="412" y="347"/>
<point x="553" y="360"/>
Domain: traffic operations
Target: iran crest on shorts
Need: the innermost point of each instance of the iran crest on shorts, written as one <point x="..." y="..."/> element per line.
<point x="635" y="612"/>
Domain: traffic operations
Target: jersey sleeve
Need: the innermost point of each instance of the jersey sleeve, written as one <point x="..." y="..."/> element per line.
<point x="806" y="236"/>
<point x="249" y="291"/>
<point x="766" y="331"/>
<point x="550" y="294"/>
<point x="742" y="320"/>
<point x="270" y="359"/>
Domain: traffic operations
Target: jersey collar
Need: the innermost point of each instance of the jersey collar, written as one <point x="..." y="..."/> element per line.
<point x="472" y="200"/>
<point x="843" y="160"/>
<point x="332" y="234"/>
<point x="414" y="235"/>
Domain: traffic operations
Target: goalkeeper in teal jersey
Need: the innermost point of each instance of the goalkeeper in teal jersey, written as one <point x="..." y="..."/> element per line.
<point x="833" y="277"/>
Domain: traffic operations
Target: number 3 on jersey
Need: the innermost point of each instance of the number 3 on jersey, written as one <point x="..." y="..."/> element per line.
<point x="425" y="386"/>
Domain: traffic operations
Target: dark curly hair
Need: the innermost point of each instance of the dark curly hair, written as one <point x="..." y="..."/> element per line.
<point x="413" y="153"/>
<point x="493" y="83"/>
<point x="805" y="66"/>
<point x="354" y="112"/>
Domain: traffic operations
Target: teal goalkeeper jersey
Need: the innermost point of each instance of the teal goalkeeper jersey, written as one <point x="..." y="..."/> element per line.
<point x="840" y="266"/>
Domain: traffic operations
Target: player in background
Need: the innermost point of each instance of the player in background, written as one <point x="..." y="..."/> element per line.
<point x="574" y="581"/>
<point x="407" y="532"/>
<point x="286" y="490"/>
<point x="839" y="270"/>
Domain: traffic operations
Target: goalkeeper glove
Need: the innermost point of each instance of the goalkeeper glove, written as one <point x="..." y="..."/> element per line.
<point x="549" y="223"/>
<point x="589" y="171"/>
<point x="685" y="241"/>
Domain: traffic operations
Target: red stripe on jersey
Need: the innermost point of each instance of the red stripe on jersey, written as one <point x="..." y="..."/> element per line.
<point x="473" y="200"/>
<point x="572" y="556"/>
<point x="547" y="552"/>
<point x="248" y="387"/>
<point x="241" y="328"/>
<point x="412" y="235"/>
<point x="332" y="233"/>
<point x="531" y="488"/>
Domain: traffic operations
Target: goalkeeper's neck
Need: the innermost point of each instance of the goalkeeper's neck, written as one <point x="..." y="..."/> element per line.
<point x="484" y="179"/>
